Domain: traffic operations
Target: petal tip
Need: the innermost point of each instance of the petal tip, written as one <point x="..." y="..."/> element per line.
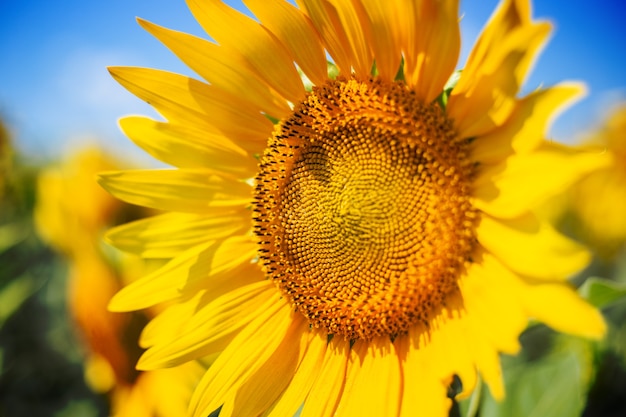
<point x="118" y="304"/>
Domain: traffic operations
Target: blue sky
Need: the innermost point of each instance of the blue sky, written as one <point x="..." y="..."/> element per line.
<point x="55" y="91"/>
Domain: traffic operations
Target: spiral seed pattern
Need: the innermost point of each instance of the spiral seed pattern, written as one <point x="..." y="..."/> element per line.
<point x="362" y="209"/>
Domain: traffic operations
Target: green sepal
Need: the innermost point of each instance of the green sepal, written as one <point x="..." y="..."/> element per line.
<point x="442" y="99"/>
<point x="374" y="70"/>
<point x="271" y="118"/>
<point x="400" y="73"/>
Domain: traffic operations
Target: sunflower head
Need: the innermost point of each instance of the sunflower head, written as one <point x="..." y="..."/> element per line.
<point x="362" y="208"/>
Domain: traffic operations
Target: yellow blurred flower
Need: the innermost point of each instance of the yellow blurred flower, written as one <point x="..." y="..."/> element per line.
<point x="71" y="213"/>
<point x="599" y="199"/>
<point x="72" y="209"/>
<point x="385" y="242"/>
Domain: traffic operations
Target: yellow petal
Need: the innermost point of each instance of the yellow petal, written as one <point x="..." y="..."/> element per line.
<point x="554" y="303"/>
<point x="167" y="235"/>
<point x="186" y="101"/>
<point x="327" y="388"/>
<point x="488" y="364"/>
<point x="346" y="405"/>
<point x="352" y="19"/>
<point x="475" y="345"/>
<point x="185" y="147"/>
<point x="327" y="22"/>
<point x="496" y="68"/>
<point x="245" y="355"/>
<point x="560" y="307"/>
<point x="211" y="327"/>
<point x="526" y="128"/>
<point x="165" y="326"/>
<point x="299" y="387"/>
<point x="208" y="267"/>
<point x="451" y="350"/>
<point x="432" y="42"/>
<point x="376" y="389"/>
<point x="523" y="181"/>
<point x="164" y="284"/>
<point x="532" y="247"/>
<point x="191" y="191"/>
<point x="269" y="59"/>
<point x="228" y="71"/>
<point x="485" y="355"/>
<point x="484" y="293"/>
<point x="386" y="36"/>
<point x="424" y="393"/>
<point x="264" y="386"/>
<point x="295" y="30"/>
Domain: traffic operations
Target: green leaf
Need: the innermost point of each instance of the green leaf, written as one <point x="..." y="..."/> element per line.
<point x="552" y="386"/>
<point x="11" y="234"/>
<point x="78" y="408"/>
<point x="601" y="292"/>
<point x="14" y="294"/>
<point x="469" y="406"/>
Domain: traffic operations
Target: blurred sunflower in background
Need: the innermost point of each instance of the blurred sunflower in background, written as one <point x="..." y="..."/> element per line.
<point x="349" y="237"/>
<point x="71" y="214"/>
<point x="593" y="211"/>
<point x="599" y="199"/>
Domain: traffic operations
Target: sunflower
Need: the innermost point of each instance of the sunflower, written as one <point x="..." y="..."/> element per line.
<point x="70" y="215"/>
<point x="599" y="199"/>
<point x="347" y="238"/>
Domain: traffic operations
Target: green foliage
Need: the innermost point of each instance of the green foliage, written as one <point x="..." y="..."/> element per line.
<point x="603" y="292"/>
<point x="553" y="386"/>
<point x="469" y="407"/>
<point x="40" y="360"/>
<point x="14" y="294"/>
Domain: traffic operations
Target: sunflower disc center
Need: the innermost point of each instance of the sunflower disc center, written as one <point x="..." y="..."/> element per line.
<point x="362" y="210"/>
